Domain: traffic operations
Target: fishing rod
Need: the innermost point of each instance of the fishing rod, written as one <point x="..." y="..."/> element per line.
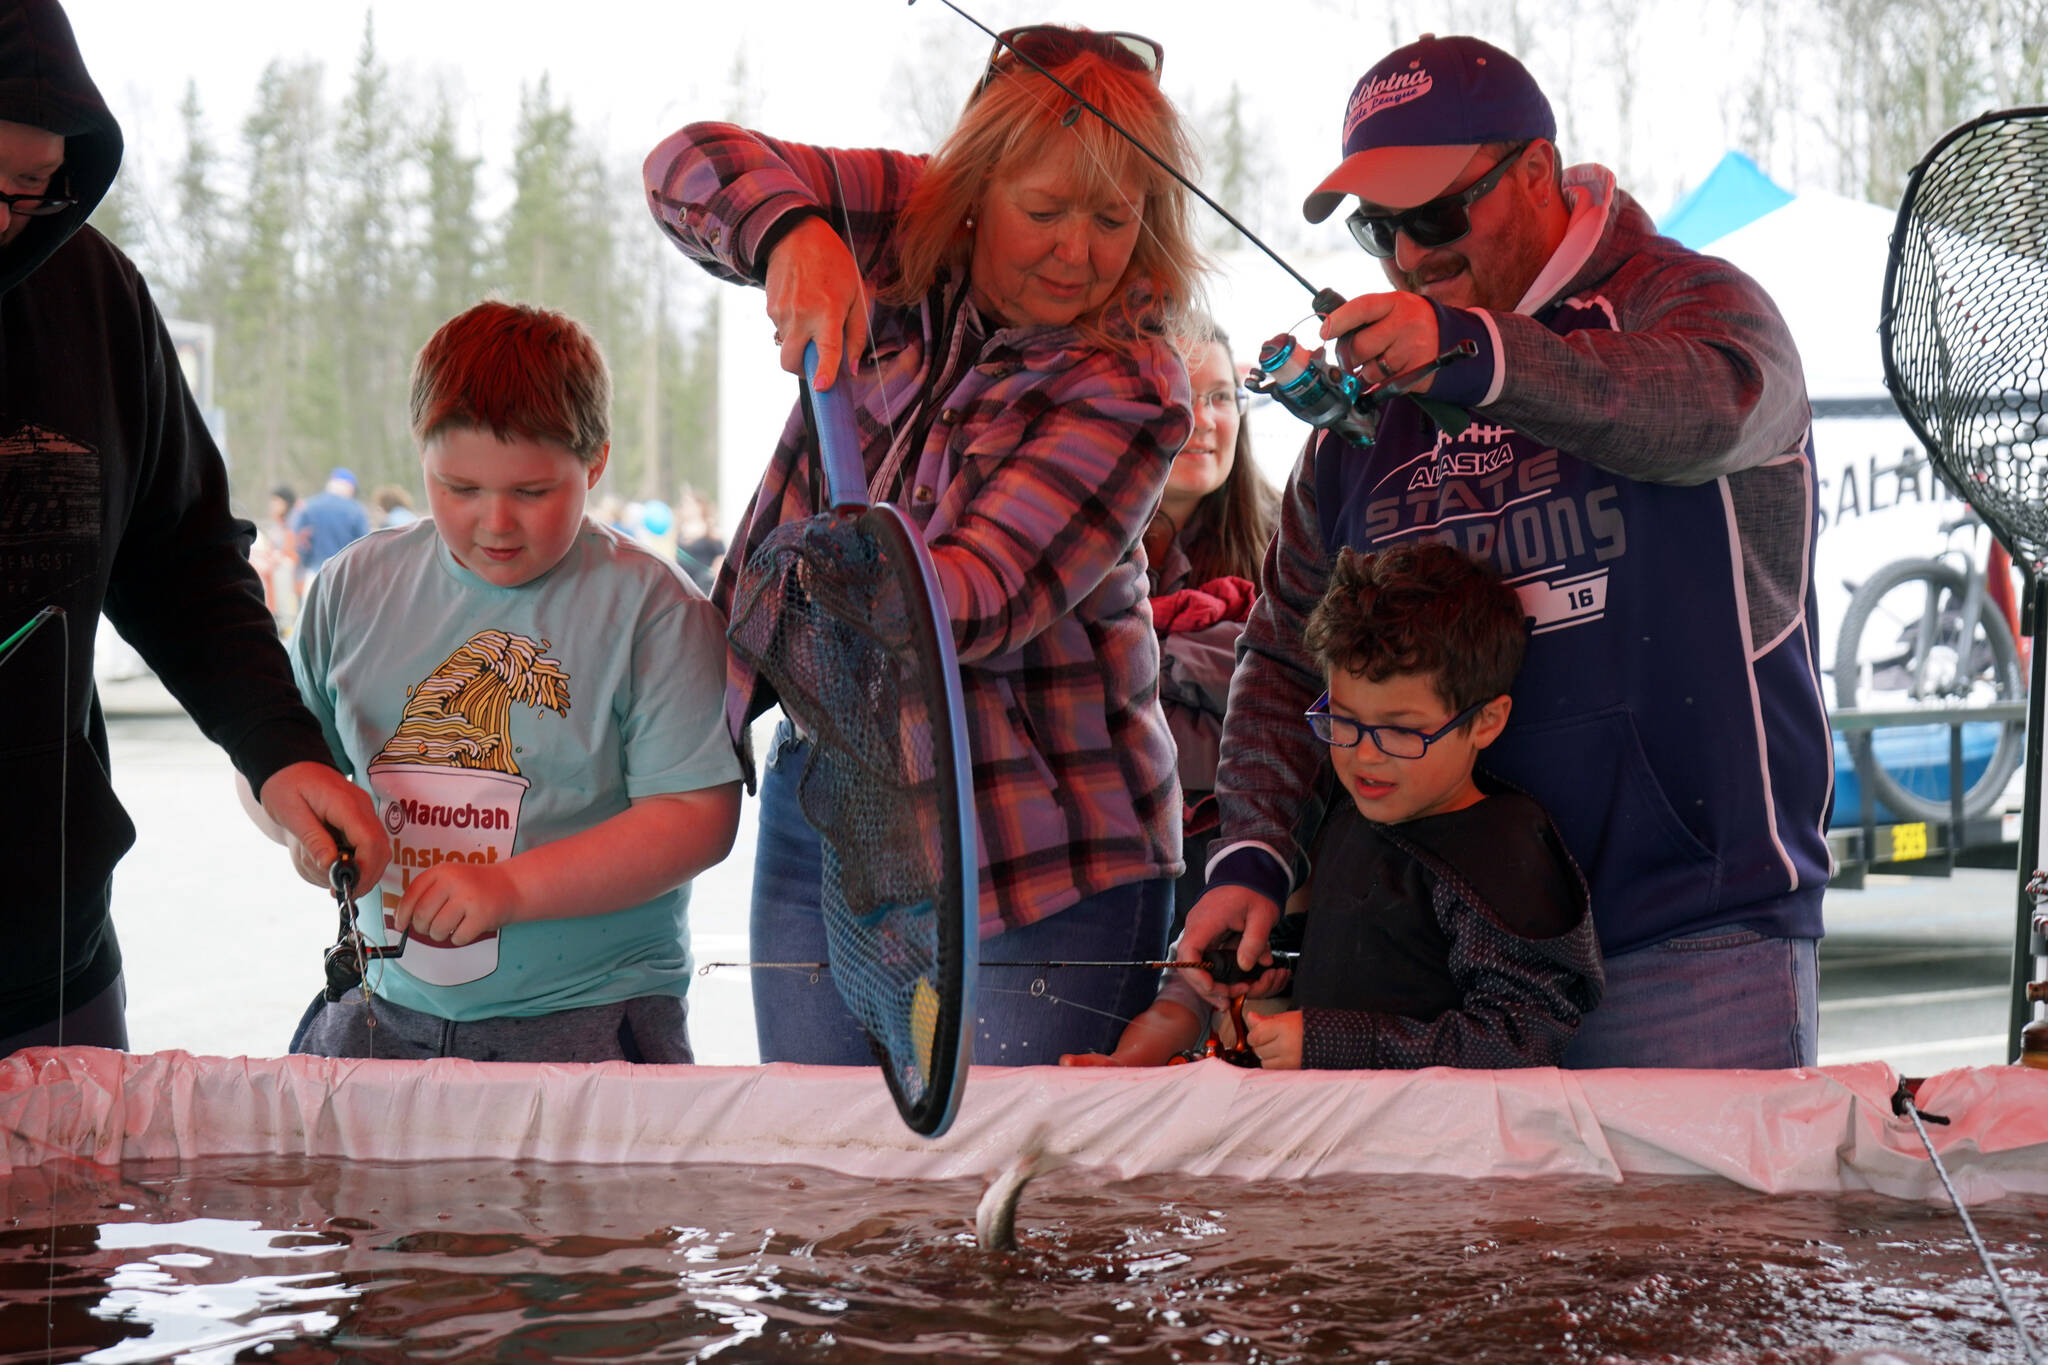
<point x="1298" y="378"/>
<point x="1220" y="962"/>
<point x="9" y="645"/>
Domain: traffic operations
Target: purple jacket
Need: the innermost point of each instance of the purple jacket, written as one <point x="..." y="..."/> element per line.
<point x="1032" y="459"/>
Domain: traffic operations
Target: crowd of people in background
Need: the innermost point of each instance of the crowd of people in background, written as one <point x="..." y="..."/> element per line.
<point x="295" y="535"/>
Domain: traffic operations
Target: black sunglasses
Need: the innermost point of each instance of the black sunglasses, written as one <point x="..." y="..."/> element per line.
<point x="39" y="205"/>
<point x="1438" y="223"/>
<point x="1052" y="45"/>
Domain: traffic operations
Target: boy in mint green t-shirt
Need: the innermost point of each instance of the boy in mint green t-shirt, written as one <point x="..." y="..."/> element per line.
<point x="534" y="703"/>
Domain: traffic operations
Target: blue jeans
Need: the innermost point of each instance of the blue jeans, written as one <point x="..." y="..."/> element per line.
<point x="1726" y="997"/>
<point x="1023" y="1016"/>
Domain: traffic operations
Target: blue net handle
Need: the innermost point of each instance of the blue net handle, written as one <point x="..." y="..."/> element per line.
<point x="846" y="489"/>
<point x="846" y="481"/>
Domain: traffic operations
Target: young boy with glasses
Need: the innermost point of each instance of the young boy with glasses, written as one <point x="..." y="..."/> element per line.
<point x="1446" y="923"/>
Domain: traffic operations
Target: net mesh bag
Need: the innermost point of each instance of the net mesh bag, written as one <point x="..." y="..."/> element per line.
<point x="833" y="612"/>
<point x="1965" y="320"/>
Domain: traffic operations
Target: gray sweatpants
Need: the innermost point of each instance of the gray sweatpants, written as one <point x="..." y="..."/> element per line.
<point x="651" y="1028"/>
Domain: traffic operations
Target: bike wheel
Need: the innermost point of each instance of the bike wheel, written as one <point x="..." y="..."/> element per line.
<point x="1903" y="644"/>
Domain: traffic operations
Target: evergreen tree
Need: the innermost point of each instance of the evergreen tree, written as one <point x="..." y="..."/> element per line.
<point x="452" y="246"/>
<point x="197" y="265"/>
<point x="561" y="250"/>
<point x="119" y="216"/>
<point x="541" y="238"/>
<point x="332" y="257"/>
<point x="367" y="292"/>
<point x="277" y="404"/>
<point x="1233" y="169"/>
<point x="690" y="401"/>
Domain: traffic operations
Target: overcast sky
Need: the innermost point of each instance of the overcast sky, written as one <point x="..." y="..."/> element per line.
<point x="836" y="70"/>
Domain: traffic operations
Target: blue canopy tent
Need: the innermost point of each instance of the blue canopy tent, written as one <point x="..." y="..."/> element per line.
<point x="1736" y="192"/>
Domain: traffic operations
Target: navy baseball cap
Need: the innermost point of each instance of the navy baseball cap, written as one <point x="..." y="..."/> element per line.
<point x="1417" y="117"/>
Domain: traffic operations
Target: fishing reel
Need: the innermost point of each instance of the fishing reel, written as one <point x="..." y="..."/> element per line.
<point x="344" y="966"/>
<point x="1322" y="394"/>
<point x="347" y="957"/>
<point x="1220" y="961"/>
<point x="1312" y="388"/>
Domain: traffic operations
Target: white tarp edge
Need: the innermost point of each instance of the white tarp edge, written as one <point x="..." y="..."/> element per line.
<point x="1814" y="1130"/>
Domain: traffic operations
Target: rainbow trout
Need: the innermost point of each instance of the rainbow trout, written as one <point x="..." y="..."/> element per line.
<point x="995" y="1218"/>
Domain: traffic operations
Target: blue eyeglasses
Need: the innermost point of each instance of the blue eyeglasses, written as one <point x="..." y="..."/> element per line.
<point x="1395" y="741"/>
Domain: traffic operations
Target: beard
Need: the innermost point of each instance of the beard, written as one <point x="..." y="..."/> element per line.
<point x="1493" y="274"/>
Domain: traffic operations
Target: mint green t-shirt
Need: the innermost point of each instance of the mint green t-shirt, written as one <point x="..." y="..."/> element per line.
<point x="487" y="720"/>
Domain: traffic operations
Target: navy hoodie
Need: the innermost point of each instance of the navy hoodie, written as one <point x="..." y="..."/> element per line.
<point x="1638" y="467"/>
<point x="113" y="499"/>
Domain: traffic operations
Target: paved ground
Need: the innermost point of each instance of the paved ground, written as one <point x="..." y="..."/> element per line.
<point x="223" y="942"/>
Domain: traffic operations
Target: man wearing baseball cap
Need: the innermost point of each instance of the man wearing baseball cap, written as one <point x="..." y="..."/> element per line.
<point x="1629" y="444"/>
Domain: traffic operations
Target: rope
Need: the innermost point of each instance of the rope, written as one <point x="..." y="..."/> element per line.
<point x="1902" y="1103"/>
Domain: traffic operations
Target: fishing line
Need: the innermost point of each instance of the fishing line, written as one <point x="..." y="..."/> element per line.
<point x="1219" y="962"/>
<point x="1319" y="392"/>
<point x="1902" y="1103"/>
<point x="867" y="312"/>
<point x="1137" y="210"/>
<point x="937" y="367"/>
<point x="1326" y="300"/>
<point x="1223" y="972"/>
<point x="1040" y="991"/>
<point x="8" y="648"/>
<point x="348" y="961"/>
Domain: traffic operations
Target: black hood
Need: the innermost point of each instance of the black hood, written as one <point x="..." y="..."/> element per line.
<point x="43" y="84"/>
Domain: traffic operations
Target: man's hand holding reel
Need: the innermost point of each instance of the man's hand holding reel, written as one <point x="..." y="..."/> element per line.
<point x="1433" y="213"/>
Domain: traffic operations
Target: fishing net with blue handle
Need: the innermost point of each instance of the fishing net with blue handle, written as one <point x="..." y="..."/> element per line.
<point x="841" y="614"/>
<point x="1964" y="325"/>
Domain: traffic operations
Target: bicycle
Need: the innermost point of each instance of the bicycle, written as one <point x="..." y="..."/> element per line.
<point x="1903" y="644"/>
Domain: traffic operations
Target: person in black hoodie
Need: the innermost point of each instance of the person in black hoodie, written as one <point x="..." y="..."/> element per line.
<point x="113" y="499"/>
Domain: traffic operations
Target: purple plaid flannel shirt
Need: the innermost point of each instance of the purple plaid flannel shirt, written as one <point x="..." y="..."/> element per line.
<point x="1032" y="459"/>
